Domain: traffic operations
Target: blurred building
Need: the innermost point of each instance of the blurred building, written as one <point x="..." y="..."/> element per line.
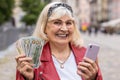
<point x="99" y="10"/>
<point x="104" y="10"/>
<point x="113" y="9"/>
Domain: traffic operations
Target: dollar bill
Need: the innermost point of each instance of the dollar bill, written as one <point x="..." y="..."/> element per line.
<point x="32" y="47"/>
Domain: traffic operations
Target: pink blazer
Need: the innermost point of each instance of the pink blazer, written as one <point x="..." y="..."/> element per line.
<point x="47" y="69"/>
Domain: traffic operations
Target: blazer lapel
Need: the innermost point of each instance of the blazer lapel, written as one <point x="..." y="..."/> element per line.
<point x="48" y="65"/>
<point x="78" y="52"/>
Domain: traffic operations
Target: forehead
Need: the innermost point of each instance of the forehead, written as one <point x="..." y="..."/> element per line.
<point x="63" y="18"/>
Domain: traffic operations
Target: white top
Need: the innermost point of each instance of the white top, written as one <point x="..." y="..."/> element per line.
<point x="69" y="72"/>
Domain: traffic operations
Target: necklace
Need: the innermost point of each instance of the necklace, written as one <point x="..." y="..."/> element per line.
<point x="61" y="63"/>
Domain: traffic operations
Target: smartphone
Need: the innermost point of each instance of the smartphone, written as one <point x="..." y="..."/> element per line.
<point x="92" y="51"/>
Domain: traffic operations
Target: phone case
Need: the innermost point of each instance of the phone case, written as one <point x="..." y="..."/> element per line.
<point x="92" y="51"/>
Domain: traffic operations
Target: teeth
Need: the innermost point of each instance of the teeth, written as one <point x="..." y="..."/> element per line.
<point x="62" y="35"/>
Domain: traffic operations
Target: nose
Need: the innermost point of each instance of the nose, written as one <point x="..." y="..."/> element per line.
<point x="64" y="27"/>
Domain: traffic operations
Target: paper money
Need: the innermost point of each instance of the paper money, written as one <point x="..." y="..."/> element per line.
<point x="32" y="47"/>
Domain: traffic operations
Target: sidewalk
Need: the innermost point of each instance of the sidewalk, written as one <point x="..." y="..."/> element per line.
<point x="8" y="64"/>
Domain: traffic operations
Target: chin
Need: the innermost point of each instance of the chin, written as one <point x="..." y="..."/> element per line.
<point x="63" y="42"/>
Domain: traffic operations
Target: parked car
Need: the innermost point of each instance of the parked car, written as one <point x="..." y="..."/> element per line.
<point x="110" y="27"/>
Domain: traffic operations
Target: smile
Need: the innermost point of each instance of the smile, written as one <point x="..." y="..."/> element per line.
<point x="62" y="35"/>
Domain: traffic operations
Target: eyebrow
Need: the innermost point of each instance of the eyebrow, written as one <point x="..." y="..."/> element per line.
<point x="61" y="20"/>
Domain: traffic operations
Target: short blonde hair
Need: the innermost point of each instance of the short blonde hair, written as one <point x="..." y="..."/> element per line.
<point x="56" y="13"/>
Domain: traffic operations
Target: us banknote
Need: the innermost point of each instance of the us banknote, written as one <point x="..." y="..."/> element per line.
<point x="32" y="47"/>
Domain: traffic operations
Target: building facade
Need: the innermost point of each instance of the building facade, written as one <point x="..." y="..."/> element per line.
<point x="113" y="9"/>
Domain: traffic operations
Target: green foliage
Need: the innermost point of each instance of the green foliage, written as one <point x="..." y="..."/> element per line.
<point x="6" y="7"/>
<point x="32" y="9"/>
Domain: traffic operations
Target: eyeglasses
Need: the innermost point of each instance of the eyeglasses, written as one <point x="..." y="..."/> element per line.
<point x="60" y="23"/>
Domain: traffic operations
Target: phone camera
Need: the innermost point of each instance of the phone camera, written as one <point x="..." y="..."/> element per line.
<point x="90" y="46"/>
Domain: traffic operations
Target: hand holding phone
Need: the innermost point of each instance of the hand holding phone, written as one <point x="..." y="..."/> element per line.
<point x="92" y="51"/>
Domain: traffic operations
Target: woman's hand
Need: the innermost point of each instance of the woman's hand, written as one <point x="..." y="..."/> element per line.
<point x="25" y="66"/>
<point x="87" y="69"/>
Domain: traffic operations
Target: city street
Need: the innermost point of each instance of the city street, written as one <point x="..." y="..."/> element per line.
<point x="109" y="60"/>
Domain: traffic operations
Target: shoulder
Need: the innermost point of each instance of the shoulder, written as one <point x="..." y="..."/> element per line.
<point x="78" y="52"/>
<point x="78" y="48"/>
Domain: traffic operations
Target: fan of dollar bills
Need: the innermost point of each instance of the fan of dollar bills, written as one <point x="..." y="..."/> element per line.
<point x="32" y="47"/>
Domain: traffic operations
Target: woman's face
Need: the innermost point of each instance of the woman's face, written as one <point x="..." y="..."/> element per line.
<point x="60" y="30"/>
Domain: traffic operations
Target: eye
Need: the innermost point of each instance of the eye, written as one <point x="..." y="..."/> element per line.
<point x="69" y="23"/>
<point x="57" y="23"/>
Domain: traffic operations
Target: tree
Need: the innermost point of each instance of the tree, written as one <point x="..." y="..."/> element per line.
<point x="32" y="8"/>
<point x="6" y="7"/>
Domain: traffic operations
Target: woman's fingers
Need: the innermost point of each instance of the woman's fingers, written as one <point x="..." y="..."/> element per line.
<point x="84" y="69"/>
<point x="27" y="71"/>
<point x="87" y="69"/>
<point x="25" y="66"/>
<point x="92" y="63"/>
<point x="24" y="63"/>
<point x="85" y="76"/>
<point x="19" y="56"/>
<point x="87" y="65"/>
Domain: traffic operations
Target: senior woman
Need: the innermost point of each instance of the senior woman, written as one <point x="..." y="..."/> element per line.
<point x="63" y="54"/>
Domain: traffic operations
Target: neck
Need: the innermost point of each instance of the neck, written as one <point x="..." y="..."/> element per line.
<point x="60" y="52"/>
<point x="59" y="49"/>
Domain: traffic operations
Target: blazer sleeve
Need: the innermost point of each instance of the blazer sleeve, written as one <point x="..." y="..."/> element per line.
<point x="19" y="76"/>
<point x="99" y="75"/>
<point x="37" y="75"/>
